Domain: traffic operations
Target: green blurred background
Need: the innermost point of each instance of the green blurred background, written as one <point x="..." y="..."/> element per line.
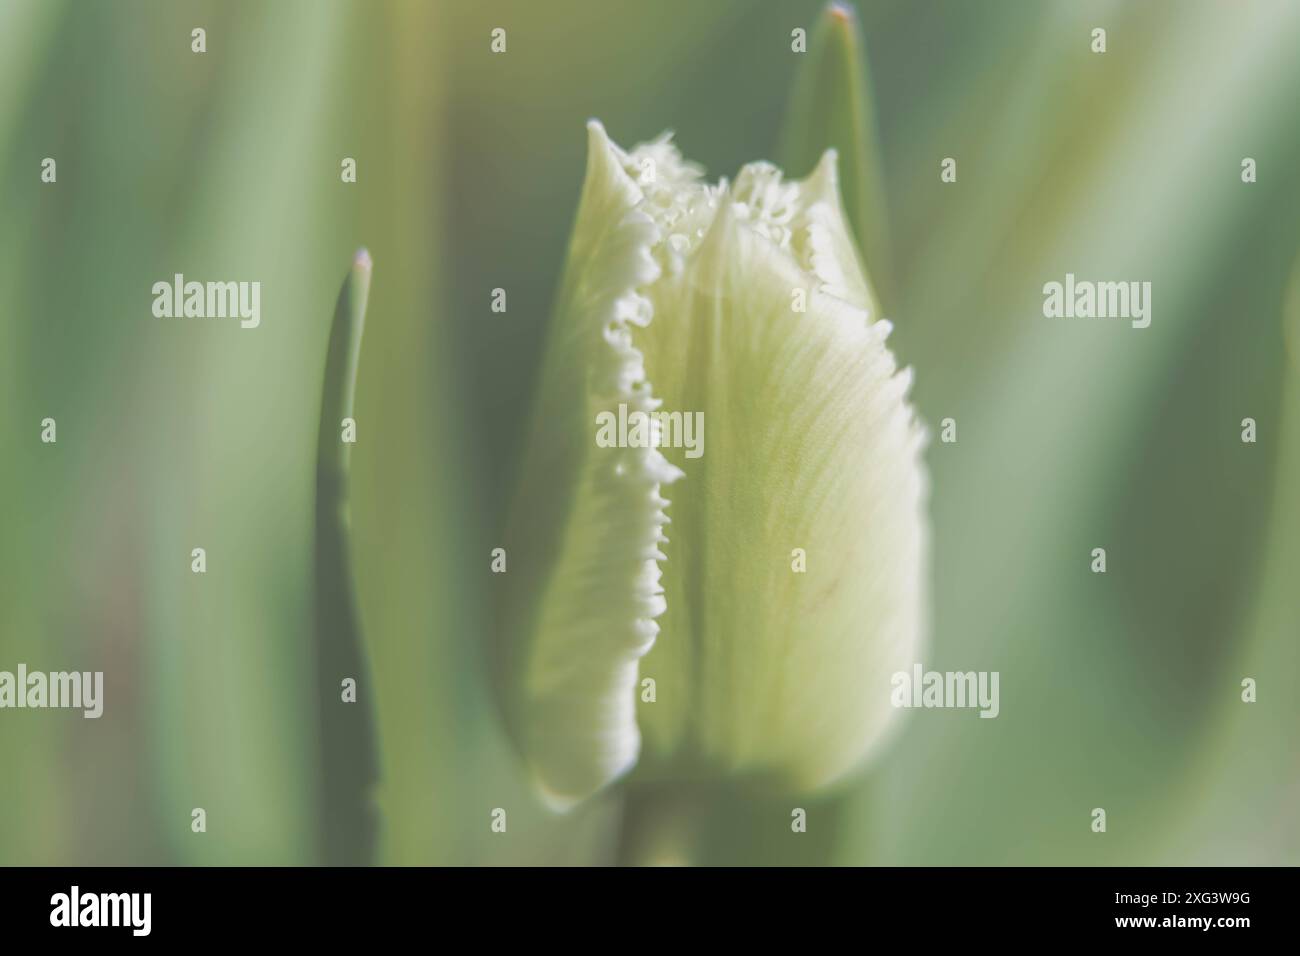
<point x="1118" y="691"/>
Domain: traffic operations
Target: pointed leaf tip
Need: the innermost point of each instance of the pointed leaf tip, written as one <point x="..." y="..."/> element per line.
<point x="840" y="11"/>
<point x="831" y="107"/>
<point x="347" y="753"/>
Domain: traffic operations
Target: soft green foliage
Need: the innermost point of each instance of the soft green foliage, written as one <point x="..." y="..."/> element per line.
<point x="831" y="107"/>
<point x="347" y="746"/>
<point x="1119" y="690"/>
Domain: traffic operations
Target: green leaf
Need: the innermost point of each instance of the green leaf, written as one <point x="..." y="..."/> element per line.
<point x="831" y="108"/>
<point x="348" y="765"/>
<point x="1255" y="826"/>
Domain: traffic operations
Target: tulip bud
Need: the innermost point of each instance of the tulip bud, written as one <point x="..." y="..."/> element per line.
<point x="741" y="307"/>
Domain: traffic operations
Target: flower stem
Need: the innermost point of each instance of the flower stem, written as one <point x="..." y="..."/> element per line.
<point x="662" y="826"/>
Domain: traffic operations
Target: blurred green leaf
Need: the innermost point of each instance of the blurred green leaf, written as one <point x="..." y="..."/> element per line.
<point x="1241" y="809"/>
<point x="831" y="108"/>
<point x="347" y="746"/>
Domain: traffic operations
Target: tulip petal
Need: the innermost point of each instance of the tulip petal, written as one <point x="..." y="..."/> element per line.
<point x="587" y="524"/>
<point x="811" y="444"/>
